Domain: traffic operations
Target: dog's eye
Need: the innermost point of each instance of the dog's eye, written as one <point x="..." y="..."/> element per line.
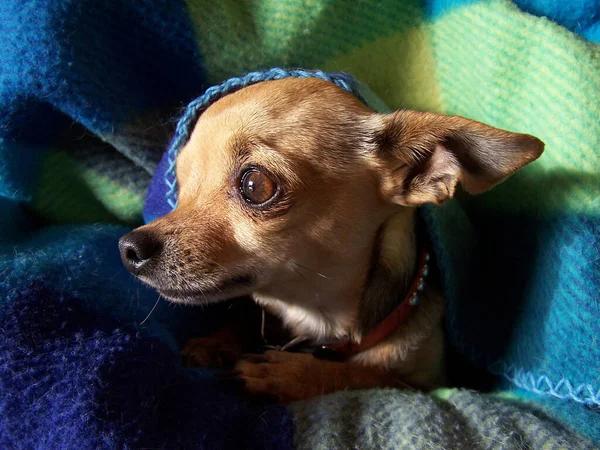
<point x="256" y="187"/>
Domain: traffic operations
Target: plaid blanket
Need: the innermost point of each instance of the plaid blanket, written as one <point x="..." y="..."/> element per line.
<point x="91" y="92"/>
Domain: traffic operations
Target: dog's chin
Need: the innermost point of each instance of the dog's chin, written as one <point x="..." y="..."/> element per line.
<point x="235" y="287"/>
<point x="198" y="297"/>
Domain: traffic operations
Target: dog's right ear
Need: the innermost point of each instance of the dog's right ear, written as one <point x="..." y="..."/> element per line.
<point x="424" y="156"/>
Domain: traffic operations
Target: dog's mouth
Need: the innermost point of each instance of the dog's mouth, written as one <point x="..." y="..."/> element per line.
<point x="233" y="287"/>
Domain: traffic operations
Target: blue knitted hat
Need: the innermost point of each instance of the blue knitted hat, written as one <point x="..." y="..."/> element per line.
<point x="162" y="193"/>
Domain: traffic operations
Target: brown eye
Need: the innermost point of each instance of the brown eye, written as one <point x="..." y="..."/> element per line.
<point x="256" y="187"/>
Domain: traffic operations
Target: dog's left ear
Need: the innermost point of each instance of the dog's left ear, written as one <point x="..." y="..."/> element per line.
<point x="424" y="156"/>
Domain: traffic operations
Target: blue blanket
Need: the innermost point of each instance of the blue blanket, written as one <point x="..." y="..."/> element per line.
<point x="91" y="92"/>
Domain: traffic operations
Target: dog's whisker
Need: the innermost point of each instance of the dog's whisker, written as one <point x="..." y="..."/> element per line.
<point x="304" y="278"/>
<point x="300" y="274"/>
<point x="151" y="311"/>
<point x="313" y="271"/>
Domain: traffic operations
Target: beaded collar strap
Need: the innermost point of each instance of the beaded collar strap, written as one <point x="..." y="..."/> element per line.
<point x="348" y="348"/>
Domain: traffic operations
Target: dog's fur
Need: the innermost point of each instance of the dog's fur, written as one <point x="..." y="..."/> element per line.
<point x="337" y="250"/>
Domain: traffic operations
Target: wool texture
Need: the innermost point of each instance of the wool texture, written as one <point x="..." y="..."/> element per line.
<point x="446" y="419"/>
<point x="92" y="93"/>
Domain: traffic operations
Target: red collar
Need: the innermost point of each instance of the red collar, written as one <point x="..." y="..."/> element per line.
<point x="389" y="325"/>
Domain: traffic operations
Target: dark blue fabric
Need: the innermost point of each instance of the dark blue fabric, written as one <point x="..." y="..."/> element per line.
<point x="78" y="371"/>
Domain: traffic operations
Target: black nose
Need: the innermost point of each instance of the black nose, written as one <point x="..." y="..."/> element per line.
<point x="137" y="249"/>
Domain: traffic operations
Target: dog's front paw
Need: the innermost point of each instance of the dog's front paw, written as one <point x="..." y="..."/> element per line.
<point x="210" y="351"/>
<point x="282" y="376"/>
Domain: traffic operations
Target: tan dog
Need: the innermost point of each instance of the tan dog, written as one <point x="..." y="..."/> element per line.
<point x="294" y="192"/>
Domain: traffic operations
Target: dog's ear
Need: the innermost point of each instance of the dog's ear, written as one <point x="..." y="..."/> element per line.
<point x="424" y="156"/>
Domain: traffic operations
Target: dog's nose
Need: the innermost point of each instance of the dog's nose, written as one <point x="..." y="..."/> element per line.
<point x="137" y="248"/>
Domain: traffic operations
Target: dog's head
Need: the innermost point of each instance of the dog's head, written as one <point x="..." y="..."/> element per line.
<point x="285" y="184"/>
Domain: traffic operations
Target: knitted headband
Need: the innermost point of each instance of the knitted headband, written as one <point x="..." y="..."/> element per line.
<point x="162" y="193"/>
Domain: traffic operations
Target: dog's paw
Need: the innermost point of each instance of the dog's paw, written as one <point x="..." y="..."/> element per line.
<point x="276" y="375"/>
<point x="210" y="351"/>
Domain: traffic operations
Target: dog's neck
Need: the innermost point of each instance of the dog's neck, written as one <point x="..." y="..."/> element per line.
<point x="392" y="270"/>
<point x="349" y="310"/>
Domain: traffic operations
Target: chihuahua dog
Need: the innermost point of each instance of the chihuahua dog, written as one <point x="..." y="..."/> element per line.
<point x="295" y="193"/>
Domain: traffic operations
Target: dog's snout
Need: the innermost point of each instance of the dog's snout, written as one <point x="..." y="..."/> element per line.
<point x="137" y="249"/>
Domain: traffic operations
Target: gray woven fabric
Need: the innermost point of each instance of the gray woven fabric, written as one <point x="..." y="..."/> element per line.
<point x="394" y="419"/>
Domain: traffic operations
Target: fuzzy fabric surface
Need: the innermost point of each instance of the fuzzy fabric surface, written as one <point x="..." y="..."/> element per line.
<point x="91" y="93"/>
